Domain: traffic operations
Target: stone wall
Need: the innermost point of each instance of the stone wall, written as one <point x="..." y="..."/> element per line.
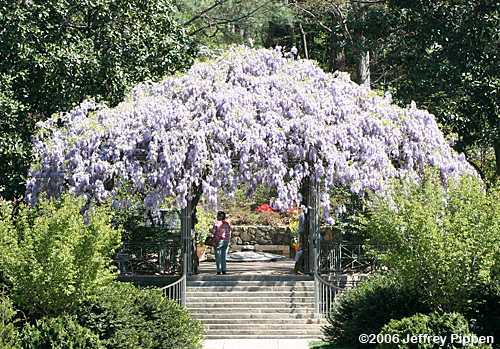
<point x="243" y="235"/>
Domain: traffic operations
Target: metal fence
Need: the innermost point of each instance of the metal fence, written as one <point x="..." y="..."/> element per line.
<point x="152" y="258"/>
<point x="342" y="258"/>
<point x="340" y="266"/>
<point x="176" y="291"/>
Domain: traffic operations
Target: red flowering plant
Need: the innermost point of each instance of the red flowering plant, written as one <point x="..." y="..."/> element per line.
<point x="264" y="208"/>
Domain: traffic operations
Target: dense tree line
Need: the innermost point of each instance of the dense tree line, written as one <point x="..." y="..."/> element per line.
<point x="441" y="54"/>
<point x="55" y="53"/>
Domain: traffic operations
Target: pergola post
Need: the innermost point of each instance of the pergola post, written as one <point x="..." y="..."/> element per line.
<point x="311" y="225"/>
<point x="186" y="225"/>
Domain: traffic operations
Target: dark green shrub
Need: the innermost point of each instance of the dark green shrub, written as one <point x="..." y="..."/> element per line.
<point x="127" y="317"/>
<point x="442" y="325"/>
<point x="484" y="312"/>
<point x="8" y="332"/>
<point x="61" y="332"/>
<point x="51" y="258"/>
<point x="368" y="307"/>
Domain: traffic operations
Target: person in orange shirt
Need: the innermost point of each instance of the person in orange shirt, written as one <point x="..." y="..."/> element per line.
<point x="221" y="234"/>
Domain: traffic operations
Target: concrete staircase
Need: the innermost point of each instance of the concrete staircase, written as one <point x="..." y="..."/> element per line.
<point x="254" y="306"/>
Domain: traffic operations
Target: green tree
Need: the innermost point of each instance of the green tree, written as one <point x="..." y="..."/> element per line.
<point x="55" y="53"/>
<point x="51" y="258"/>
<point x="441" y="54"/>
<point x="444" y="55"/>
<point x="440" y="241"/>
<point x="218" y="23"/>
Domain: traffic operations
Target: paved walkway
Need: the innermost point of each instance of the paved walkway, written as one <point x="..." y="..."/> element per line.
<point x="282" y="267"/>
<point x="257" y="343"/>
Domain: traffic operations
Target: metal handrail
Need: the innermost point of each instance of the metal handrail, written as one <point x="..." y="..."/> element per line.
<point x="325" y="294"/>
<point x="176" y="290"/>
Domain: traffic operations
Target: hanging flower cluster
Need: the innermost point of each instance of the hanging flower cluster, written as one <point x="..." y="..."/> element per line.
<point x="250" y="116"/>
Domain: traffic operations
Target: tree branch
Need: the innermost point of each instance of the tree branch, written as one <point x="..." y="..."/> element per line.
<point x="313" y="16"/>
<point x="369" y="2"/>
<point x="208" y="9"/>
<point x="232" y="20"/>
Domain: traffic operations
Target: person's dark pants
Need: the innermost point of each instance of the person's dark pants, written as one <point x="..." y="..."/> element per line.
<point x="220" y="256"/>
<point x="300" y="261"/>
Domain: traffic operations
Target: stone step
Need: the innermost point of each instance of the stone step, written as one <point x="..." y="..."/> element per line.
<point x="190" y="300"/>
<point x="259" y="327"/>
<point x="268" y="332"/>
<point x="249" y="288"/>
<point x="232" y="316"/>
<point x="223" y="311"/>
<point x="229" y="283"/>
<point x="254" y="306"/>
<point x="249" y="305"/>
<point x="272" y="336"/>
<point x="257" y="278"/>
<point x="246" y="321"/>
<point x="248" y="294"/>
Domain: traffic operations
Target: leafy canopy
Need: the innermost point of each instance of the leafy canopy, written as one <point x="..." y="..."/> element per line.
<point x="55" y="53"/>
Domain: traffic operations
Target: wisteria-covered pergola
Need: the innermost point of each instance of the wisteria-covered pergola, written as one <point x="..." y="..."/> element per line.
<point x="248" y="117"/>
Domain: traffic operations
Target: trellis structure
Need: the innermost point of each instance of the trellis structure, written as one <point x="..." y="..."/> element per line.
<point x="284" y="120"/>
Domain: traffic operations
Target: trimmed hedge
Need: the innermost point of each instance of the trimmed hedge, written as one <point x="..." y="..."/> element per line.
<point x="368" y="307"/>
<point x="62" y="332"/>
<point x="442" y="325"/>
<point x="125" y="316"/>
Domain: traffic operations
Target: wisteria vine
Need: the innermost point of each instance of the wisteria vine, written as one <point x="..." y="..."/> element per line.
<point x="250" y="116"/>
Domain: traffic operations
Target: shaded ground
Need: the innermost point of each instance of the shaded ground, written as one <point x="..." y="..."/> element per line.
<point x="283" y="267"/>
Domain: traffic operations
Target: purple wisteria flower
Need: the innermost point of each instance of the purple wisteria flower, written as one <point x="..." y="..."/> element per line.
<point x="251" y="116"/>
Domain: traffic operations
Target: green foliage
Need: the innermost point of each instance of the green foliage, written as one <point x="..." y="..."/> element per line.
<point x="483" y="310"/>
<point x="62" y="332"/>
<point x="8" y="332"/>
<point x="439" y="241"/>
<point x="51" y="258"/>
<point x="293" y="226"/>
<point x="232" y="21"/>
<point x="368" y="307"/>
<point x="440" y="54"/>
<point x="127" y="317"/>
<point x="434" y="324"/>
<point x="97" y="49"/>
<point x="240" y="207"/>
<point x="347" y="207"/>
<point x="203" y="227"/>
<point x="444" y="57"/>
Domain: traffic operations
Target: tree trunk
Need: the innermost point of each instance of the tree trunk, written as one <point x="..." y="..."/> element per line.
<point x="364" y="69"/>
<point x="304" y="41"/>
<point x="497" y="159"/>
<point x="337" y="54"/>
<point x="364" y="54"/>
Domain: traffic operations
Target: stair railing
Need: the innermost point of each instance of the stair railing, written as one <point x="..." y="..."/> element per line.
<point x="176" y="291"/>
<point x="325" y="293"/>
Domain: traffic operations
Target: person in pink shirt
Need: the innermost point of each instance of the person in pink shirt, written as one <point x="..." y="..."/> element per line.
<point x="222" y="234"/>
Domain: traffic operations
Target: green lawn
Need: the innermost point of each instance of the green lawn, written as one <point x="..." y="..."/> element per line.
<point x="325" y="345"/>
